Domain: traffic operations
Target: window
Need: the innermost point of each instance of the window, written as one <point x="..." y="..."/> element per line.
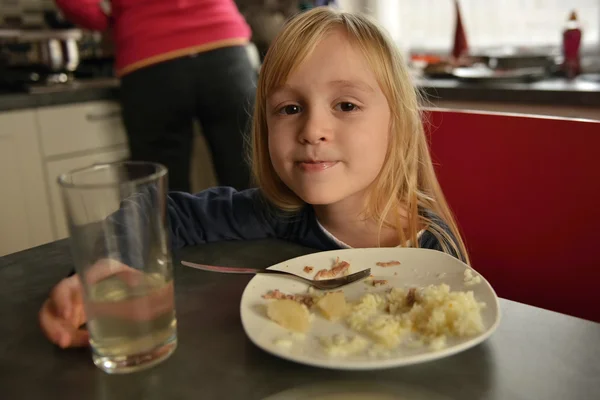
<point x="429" y="24"/>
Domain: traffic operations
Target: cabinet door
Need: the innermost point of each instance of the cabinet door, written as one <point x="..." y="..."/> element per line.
<point x="55" y="168"/>
<point x="25" y="214"/>
<point x="81" y="127"/>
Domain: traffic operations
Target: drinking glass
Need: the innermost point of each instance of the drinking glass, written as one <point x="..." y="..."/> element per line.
<point x="117" y="221"/>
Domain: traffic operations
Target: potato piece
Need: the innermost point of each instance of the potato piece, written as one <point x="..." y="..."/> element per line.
<point x="333" y="305"/>
<point x="289" y="314"/>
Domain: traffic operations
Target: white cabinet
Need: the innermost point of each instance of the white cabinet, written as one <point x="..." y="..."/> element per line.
<point x="76" y="136"/>
<point x="24" y="211"/>
<point x="36" y="146"/>
<point x="55" y="168"/>
<point x="81" y="127"/>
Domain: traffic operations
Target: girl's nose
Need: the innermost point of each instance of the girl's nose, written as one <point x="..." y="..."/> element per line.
<point x="316" y="129"/>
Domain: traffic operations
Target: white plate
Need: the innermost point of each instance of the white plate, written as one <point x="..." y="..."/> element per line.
<point x="418" y="268"/>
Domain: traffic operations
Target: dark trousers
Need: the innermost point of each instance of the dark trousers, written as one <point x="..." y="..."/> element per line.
<point x="161" y="101"/>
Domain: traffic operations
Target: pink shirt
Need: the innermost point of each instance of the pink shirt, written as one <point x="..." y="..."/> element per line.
<point x="149" y="31"/>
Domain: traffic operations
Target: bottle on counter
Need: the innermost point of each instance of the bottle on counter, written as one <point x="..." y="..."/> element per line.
<point x="571" y="42"/>
<point x="460" y="47"/>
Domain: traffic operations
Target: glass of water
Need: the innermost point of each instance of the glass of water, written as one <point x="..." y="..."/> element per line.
<point x="117" y="218"/>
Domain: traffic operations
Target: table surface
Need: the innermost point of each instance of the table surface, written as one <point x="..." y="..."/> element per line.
<point x="534" y="354"/>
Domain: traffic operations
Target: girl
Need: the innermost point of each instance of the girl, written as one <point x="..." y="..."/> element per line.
<point x="339" y="155"/>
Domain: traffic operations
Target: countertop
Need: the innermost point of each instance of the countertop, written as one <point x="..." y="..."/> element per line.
<point x="534" y="354"/>
<point x="76" y="92"/>
<point x="551" y="91"/>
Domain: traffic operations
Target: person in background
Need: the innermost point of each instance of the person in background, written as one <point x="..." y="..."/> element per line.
<point x="267" y="17"/>
<point x="308" y="4"/>
<point x="179" y="60"/>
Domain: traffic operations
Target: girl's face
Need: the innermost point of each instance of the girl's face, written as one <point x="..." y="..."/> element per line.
<point x="328" y="126"/>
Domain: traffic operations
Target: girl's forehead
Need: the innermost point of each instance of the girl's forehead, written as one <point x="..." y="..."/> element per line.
<point x="335" y="44"/>
<point x="335" y="56"/>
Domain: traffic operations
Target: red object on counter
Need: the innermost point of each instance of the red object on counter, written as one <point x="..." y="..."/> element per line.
<point x="461" y="46"/>
<point x="152" y="31"/>
<point x="526" y="194"/>
<point x="571" y="44"/>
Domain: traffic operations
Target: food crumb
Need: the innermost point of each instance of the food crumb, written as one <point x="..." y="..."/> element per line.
<point x="283" y="343"/>
<point x="411" y="297"/>
<point x="471" y="279"/>
<point x="339" y="268"/>
<point x="387" y="263"/>
<point x="308" y="269"/>
<point x="307" y="300"/>
<point x="379" y="282"/>
<point x="438" y="343"/>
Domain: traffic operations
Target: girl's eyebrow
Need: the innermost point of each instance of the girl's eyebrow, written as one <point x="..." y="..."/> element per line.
<point x="354" y="84"/>
<point x="338" y="84"/>
<point x="281" y="89"/>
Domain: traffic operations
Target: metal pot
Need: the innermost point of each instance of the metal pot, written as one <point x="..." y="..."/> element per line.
<point x="55" y="50"/>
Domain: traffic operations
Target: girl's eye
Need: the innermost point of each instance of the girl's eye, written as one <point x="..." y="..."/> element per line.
<point x="290" y="109"/>
<point x="346" y="106"/>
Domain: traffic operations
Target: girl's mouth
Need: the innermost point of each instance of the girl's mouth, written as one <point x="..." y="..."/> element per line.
<point x="315" y="165"/>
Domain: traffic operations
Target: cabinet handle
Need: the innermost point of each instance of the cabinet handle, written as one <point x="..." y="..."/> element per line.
<point x="103" y="116"/>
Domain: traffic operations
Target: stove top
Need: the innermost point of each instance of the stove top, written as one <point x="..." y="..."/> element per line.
<point x="37" y="79"/>
<point x="73" y="85"/>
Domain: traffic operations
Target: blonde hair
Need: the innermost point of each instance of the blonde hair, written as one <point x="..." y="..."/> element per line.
<point x="407" y="179"/>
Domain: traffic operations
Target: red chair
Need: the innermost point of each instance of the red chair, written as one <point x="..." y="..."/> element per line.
<point x="526" y="193"/>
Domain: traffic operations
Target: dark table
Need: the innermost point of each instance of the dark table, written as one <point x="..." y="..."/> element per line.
<point x="535" y="354"/>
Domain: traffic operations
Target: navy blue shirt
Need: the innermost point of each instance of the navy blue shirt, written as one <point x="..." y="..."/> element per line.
<point x="213" y="215"/>
<point x="223" y="213"/>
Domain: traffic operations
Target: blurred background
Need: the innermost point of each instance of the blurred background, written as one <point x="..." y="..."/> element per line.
<point x="60" y="98"/>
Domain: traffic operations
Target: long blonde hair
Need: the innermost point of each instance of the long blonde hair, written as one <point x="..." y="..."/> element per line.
<point x="407" y="179"/>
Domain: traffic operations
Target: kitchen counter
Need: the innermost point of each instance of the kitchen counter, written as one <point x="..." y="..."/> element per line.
<point x="552" y="92"/>
<point x="76" y="92"/>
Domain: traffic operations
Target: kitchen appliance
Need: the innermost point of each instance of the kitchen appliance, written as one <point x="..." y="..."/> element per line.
<point x="52" y="54"/>
<point x="511" y="61"/>
<point x="42" y="61"/>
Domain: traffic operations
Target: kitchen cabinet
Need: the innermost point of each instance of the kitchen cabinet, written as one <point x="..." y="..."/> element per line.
<point x="82" y="127"/>
<point x="76" y="136"/>
<point x="55" y="168"/>
<point x="24" y="215"/>
<point x="36" y="146"/>
<point x="39" y="144"/>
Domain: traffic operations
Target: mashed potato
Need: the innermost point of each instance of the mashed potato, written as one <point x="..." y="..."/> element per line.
<point x="438" y="311"/>
<point x="381" y="322"/>
<point x="471" y="279"/>
<point x="416" y="317"/>
<point x="341" y="345"/>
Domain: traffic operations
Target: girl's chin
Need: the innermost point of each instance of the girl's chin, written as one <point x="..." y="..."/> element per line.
<point x="320" y="198"/>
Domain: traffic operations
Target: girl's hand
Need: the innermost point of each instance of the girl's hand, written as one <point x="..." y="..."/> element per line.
<point x="62" y="314"/>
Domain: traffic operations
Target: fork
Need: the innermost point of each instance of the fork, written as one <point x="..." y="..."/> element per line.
<point x="325" y="284"/>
